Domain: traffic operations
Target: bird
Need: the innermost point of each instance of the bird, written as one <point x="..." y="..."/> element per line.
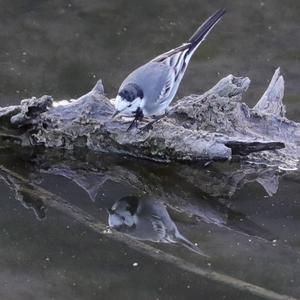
<point x="147" y="219"/>
<point x="149" y="90"/>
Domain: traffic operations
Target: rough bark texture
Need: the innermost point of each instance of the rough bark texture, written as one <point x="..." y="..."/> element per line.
<point x="213" y="126"/>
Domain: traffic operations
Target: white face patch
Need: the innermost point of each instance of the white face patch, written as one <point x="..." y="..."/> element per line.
<point x="125" y="107"/>
<point x="121" y="217"/>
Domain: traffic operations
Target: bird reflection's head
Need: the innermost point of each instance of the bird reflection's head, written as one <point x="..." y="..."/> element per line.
<point x="123" y="212"/>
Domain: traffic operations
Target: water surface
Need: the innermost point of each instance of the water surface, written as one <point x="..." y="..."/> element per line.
<point x="246" y="218"/>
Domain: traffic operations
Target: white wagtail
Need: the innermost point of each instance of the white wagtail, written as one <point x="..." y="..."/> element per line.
<point x="149" y="90"/>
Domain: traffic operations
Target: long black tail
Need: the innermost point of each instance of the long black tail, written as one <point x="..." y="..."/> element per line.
<point x="204" y="29"/>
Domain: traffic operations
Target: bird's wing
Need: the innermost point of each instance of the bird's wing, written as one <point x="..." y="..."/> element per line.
<point x="176" y="62"/>
<point x="175" y="59"/>
<point x="167" y="87"/>
<point x="162" y="57"/>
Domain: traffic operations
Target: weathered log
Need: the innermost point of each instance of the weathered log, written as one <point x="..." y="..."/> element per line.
<point x="213" y="126"/>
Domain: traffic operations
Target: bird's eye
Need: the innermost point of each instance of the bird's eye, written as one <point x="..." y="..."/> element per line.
<point x="129" y="105"/>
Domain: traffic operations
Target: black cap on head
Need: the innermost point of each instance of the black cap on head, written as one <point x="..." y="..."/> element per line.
<point x="131" y="91"/>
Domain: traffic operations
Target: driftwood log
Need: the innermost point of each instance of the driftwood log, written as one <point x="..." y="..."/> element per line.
<point x="214" y="126"/>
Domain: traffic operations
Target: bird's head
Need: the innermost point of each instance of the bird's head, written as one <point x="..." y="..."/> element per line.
<point x="128" y="99"/>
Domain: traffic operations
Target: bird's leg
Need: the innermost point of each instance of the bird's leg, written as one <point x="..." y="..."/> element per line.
<point x="150" y="124"/>
<point x="138" y="117"/>
<point x="134" y="122"/>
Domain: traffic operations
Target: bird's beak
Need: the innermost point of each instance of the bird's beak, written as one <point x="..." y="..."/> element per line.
<point x="115" y="114"/>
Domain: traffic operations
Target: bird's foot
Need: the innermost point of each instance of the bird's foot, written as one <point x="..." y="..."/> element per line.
<point x="138" y="117"/>
<point x="132" y="124"/>
<point x="147" y="127"/>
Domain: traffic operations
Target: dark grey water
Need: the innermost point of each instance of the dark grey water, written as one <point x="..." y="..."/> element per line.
<point x="247" y="219"/>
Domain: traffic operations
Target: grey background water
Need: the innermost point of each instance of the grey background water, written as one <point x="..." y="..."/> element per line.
<point x="61" y="48"/>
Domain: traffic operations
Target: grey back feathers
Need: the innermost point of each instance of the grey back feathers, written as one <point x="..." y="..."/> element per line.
<point x="149" y="77"/>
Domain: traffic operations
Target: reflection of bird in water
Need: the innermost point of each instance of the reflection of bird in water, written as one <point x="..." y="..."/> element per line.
<point x="147" y="219"/>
